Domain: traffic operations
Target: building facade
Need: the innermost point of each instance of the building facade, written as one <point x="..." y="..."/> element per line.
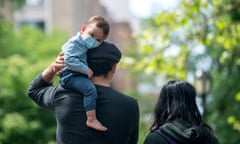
<point x="65" y="15"/>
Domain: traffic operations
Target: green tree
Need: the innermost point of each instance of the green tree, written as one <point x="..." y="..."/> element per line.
<point x="198" y="34"/>
<point x="24" y="53"/>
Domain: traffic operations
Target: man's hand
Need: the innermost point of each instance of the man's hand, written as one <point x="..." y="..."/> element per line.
<point x="58" y="64"/>
<point x="54" y="69"/>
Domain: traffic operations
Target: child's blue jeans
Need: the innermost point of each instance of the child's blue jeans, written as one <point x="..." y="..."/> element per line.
<point x="82" y="84"/>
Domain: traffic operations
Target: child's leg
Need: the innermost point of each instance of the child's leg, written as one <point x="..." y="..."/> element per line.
<point x="86" y="87"/>
<point x="89" y="100"/>
<point x="93" y="122"/>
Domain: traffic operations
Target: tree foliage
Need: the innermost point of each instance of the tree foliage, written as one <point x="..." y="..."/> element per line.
<point x="199" y="34"/>
<point x="24" y="53"/>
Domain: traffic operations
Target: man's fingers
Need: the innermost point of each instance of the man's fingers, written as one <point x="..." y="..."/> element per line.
<point x="58" y="64"/>
<point x="60" y="58"/>
<point x="58" y="73"/>
<point x="58" y="61"/>
<point x="61" y="53"/>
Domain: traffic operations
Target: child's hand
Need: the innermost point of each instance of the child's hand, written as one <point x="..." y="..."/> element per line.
<point x="89" y="73"/>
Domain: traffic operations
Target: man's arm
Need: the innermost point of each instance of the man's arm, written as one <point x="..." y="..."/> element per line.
<point x="41" y="90"/>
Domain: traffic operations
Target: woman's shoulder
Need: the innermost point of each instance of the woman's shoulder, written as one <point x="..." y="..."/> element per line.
<point x="214" y="139"/>
<point x="154" y="138"/>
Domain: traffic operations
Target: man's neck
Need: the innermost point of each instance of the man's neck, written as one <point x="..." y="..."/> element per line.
<point x="101" y="80"/>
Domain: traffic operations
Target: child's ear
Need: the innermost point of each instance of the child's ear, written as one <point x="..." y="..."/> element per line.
<point x="83" y="28"/>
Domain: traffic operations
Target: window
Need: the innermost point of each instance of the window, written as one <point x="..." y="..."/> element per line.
<point x="34" y="24"/>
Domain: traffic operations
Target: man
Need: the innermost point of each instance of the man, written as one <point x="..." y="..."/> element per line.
<point x="118" y="112"/>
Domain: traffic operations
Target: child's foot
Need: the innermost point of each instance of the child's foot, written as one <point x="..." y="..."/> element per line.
<point x="96" y="125"/>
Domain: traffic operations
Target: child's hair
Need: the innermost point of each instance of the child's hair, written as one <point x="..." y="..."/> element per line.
<point x="101" y="23"/>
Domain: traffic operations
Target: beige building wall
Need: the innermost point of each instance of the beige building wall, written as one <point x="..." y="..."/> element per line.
<point x="121" y="35"/>
<point x="71" y="14"/>
<point x="6" y="10"/>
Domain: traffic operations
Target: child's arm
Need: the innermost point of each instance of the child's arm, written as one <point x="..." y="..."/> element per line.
<point x="75" y="56"/>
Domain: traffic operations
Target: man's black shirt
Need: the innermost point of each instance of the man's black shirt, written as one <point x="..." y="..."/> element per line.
<point x="118" y="112"/>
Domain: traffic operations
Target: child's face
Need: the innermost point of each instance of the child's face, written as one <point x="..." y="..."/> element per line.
<point x="93" y="31"/>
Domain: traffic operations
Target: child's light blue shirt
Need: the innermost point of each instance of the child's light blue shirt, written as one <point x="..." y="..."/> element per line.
<point x="75" y="54"/>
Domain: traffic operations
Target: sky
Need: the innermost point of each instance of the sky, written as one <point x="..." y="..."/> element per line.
<point x="125" y="9"/>
<point x="134" y="10"/>
<point x="146" y="8"/>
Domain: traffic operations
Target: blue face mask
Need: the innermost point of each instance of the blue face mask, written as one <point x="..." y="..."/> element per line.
<point x="91" y="42"/>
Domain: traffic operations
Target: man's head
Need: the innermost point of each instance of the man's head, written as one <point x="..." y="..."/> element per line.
<point x="103" y="58"/>
<point x="96" y="27"/>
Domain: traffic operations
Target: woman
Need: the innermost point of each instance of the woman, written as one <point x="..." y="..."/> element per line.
<point x="177" y="119"/>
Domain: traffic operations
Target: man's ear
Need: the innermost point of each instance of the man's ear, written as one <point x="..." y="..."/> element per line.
<point x="114" y="68"/>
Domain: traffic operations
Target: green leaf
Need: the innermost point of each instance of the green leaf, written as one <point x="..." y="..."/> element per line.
<point x="238" y="96"/>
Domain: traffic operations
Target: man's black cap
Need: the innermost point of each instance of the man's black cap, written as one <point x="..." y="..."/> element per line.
<point x="106" y="50"/>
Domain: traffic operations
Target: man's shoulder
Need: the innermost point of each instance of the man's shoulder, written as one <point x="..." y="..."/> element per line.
<point x="67" y="92"/>
<point x="127" y="99"/>
<point x="127" y="96"/>
<point x="115" y="93"/>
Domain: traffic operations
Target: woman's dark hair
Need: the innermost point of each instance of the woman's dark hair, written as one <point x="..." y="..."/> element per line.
<point x="101" y="66"/>
<point x="177" y="100"/>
